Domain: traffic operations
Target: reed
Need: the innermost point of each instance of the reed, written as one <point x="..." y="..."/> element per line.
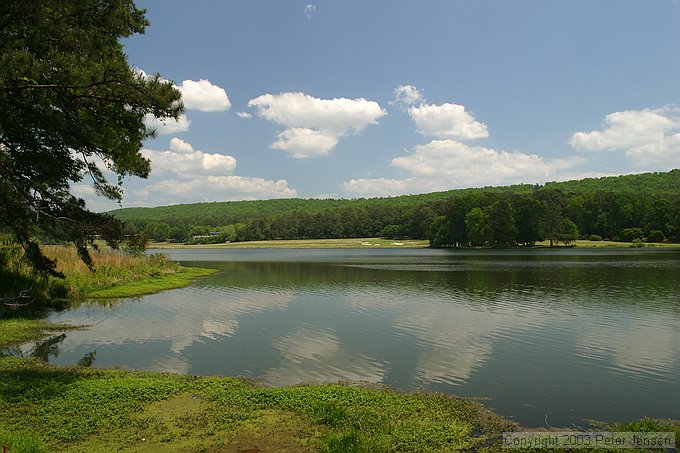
<point x="111" y="268"/>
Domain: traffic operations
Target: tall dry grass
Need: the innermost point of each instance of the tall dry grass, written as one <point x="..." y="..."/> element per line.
<point x="111" y="267"/>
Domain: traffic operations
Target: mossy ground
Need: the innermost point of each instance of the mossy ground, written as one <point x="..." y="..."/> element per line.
<point x="78" y="409"/>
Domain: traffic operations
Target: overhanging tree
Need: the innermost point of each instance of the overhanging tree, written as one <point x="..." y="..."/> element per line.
<point x="71" y="109"/>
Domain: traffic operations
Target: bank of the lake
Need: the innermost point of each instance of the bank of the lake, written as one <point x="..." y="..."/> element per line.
<point x="377" y="243"/>
<point x="78" y="409"/>
<point x="21" y="330"/>
<point x="115" y="275"/>
<point x="81" y="409"/>
<point x="304" y="244"/>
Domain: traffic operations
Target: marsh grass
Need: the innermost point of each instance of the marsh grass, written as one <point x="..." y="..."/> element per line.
<point x="111" y="268"/>
<point x="20" y="330"/>
<point x="114" y="274"/>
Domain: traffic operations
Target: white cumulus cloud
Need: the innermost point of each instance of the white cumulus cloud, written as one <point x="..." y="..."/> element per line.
<point x="204" y="96"/>
<point x="407" y="95"/>
<point x="448" y="164"/>
<point x="447" y="121"/>
<point x="183" y="160"/>
<point x="475" y="164"/>
<point x="383" y="187"/>
<point x="312" y="122"/>
<point x="183" y="174"/>
<point x="213" y="188"/>
<point x="167" y="126"/>
<point x="651" y="138"/>
<point x="244" y="115"/>
<point x="301" y="142"/>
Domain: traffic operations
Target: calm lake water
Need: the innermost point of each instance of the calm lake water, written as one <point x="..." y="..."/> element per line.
<point x="556" y="335"/>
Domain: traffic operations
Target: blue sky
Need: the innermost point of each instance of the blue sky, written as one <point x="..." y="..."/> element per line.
<point x="321" y="98"/>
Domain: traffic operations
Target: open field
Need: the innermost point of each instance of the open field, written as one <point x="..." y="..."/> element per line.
<point x="600" y="244"/>
<point x="355" y="243"/>
<point x="365" y="243"/>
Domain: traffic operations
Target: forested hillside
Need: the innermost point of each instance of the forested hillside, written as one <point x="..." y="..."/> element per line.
<point x="631" y="207"/>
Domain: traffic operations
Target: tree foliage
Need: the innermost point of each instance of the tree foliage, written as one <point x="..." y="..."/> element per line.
<point x="71" y="109"/>
<point x="491" y="216"/>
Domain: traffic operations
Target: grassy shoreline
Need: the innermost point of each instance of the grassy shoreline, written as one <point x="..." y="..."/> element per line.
<point x="21" y="330"/>
<point x="78" y="409"/>
<point x="152" y="285"/>
<point x="91" y="410"/>
<point x="373" y="243"/>
<point x="116" y="275"/>
<point x="304" y="244"/>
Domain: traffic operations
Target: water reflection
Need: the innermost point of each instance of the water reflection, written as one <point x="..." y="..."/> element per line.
<point x="563" y="334"/>
<point x="44" y="350"/>
<point x="315" y="355"/>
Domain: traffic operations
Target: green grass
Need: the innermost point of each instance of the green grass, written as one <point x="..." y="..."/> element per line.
<point x="90" y="410"/>
<point x="358" y="243"/>
<point x="115" y="274"/>
<point x="582" y="243"/>
<point x="77" y="409"/>
<point x="16" y="331"/>
<point x="22" y="442"/>
<point x="149" y="285"/>
<point x="118" y="274"/>
<point x="368" y="243"/>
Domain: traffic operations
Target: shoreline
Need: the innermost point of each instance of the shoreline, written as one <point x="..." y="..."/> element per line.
<point x="150" y="285"/>
<point x="77" y="408"/>
<point x="369" y="243"/>
<point x="31" y="326"/>
<point x="82" y="409"/>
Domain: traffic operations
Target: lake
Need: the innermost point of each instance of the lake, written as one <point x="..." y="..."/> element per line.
<point x="548" y="336"/>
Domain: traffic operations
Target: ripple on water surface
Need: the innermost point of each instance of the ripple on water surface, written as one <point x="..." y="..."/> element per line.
<point x="567" y="335"/>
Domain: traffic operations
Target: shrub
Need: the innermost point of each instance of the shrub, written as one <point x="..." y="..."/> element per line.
<point x="637" y="243"/>
<point x="630" y="234"/>
<point x="595" y="237"/>
<point x="655" y="236"/>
